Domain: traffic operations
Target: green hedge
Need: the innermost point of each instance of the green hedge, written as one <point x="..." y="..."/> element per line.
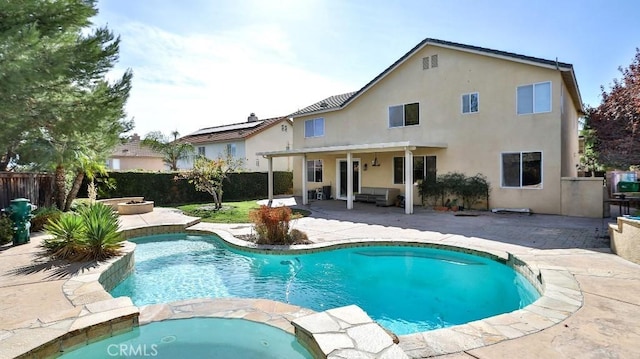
<point x="165" y="189"/>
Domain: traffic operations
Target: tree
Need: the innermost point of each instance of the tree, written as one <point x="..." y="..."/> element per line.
<point x="60" y="110"/>
<point x="172" y="150"/>
<point x="208" y="175"/>
<point x="616" y="121"/>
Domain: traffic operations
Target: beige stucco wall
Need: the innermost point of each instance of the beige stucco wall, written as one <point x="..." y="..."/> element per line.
<point x="570" y="132"/>
<point x="474" y="141"/>
<point x="140" y="163"/>
<point x="583" y="197"/>
<point x="274" y="138"/>
<point x="625" y="238"/>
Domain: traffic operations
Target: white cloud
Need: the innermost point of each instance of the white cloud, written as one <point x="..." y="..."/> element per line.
<point x="189" y="82"/>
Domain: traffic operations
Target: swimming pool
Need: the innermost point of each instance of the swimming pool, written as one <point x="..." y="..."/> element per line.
<point x="405" y="289"/>
<point x="197" y="338"/>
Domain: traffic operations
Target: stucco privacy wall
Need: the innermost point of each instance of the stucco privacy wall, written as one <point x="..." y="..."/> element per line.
<point x="583" y="196"/>
<point x="474" y="141"/>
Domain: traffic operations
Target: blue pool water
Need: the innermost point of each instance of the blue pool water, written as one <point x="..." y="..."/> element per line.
<point x="197" y="338"/>
<point x="406" y="289"/>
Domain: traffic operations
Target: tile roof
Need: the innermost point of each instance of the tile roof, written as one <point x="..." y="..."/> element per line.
<point x="340" y="101"/>
<point x="134" y="148"/>
<point x="326" y="104"/>
<point x="234" y="131"/>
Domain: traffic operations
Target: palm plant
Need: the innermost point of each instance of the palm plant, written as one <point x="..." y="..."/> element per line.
<point x="101" y="237"/>
<point x="172" y="150"/>
<point x="66" y="231"/>
<point x="92" y="234"/>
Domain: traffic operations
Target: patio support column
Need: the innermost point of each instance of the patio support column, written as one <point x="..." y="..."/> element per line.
<point x="305" y="200"/>
<point x="349" y="181"/>
<point x="270" y="174"/>
<point x="408" y="181"/>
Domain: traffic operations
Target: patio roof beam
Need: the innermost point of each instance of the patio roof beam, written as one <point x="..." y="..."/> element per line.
<point x="343" y="149"/>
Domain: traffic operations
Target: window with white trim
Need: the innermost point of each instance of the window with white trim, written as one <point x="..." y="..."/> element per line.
<point x="522" y="169"/>
<point x="314" y="170"/>
<point x="201" y="151"/>
<point x="534" y="98"/>
<point x="470" y="102"/>
<point x="314" y="127"/>
<point x="404" y="115"/>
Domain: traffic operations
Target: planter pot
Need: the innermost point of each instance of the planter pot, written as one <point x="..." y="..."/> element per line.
<point x="135" y="208"/>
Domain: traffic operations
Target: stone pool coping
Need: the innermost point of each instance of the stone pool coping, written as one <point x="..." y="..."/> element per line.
<point x="100" y="313"/>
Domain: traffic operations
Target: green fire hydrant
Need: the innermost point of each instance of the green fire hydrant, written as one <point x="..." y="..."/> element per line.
<point x="20" y="213"/>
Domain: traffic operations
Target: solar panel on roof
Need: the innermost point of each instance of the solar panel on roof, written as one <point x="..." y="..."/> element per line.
<point x="235" y="126"/>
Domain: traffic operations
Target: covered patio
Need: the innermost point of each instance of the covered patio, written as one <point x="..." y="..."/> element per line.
<point x="407" y="148"/>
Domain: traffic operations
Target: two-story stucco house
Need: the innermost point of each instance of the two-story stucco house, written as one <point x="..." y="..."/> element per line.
<point x="242" y="141"/>
<point x="133" y="156"/>
<point x="446" y="107"/>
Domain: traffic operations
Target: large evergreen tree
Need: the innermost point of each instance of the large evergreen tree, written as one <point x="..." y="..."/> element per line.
<point x="616" y="121"/>
<point x="58" y="109"/>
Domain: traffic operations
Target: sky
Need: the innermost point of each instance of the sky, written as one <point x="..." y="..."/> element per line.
<point x="204" y="63"/>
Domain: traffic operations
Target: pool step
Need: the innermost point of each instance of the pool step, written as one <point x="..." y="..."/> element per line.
<point x="345" y="332"/>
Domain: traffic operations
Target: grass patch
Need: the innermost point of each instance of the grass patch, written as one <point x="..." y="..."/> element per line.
<point x="231" y="212"/>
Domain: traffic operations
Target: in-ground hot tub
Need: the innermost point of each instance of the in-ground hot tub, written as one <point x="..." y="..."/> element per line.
<point x="218" y="338"/>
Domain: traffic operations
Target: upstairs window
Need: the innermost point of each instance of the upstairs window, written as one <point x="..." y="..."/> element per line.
<point x="534" y="98"/>
<point x="314" y="128"/>
<point x="522" y="169"/>
<point x="404" y="115"/>
<point x="314" y="171"/>
<point x="470" y="102"/>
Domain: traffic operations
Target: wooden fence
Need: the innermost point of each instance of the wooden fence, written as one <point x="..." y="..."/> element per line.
<point x="36" y="187"/>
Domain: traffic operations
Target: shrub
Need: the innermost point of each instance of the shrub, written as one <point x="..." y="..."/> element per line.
<point x="165" y="189"/>
<point x="469" y="190"/>
<point x="6" y="229"/>
<point x="91" y="234"/>
<point x="66" y="231"/>
<point x="272" y="224"/>
<point x="101" y="238"/>
<point x="42" y="216"/>
<point x="298" y="237"/>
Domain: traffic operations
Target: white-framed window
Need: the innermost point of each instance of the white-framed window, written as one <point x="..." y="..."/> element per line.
<point x="521" y="169"/>
<point x="202" y="151"/>
<point x="314" y="170"/>
<point x="470" y="102"/>
<point x="231" y="149"/>
<point x="314" y="128"/>
<point x="404" y="115"/>
<point x="534" y="98"/>
<point x="424" y="168"/>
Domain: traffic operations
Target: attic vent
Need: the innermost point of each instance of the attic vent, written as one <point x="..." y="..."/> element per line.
<point x="434" y="60"/>
<point x="324" y="105"/>
<point x="425" y="63"/>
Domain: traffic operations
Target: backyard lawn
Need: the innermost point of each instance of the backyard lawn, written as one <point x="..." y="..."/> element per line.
<point x="231" y="212"/>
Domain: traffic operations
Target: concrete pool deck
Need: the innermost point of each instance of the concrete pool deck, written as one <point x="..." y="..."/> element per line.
<point x="605" y="326"/>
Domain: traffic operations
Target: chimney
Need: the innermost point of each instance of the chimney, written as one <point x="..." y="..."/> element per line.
<point x="135" y="137"/>
<point x="252" y="117"/>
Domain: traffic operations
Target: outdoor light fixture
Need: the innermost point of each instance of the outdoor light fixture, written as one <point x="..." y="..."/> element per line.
<point x="375" y="162"/>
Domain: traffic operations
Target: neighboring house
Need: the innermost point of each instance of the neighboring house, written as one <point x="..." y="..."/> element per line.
<point x="446" y="107"/>
<point x="133" y="156"/>
<point x="243" y="140"/>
